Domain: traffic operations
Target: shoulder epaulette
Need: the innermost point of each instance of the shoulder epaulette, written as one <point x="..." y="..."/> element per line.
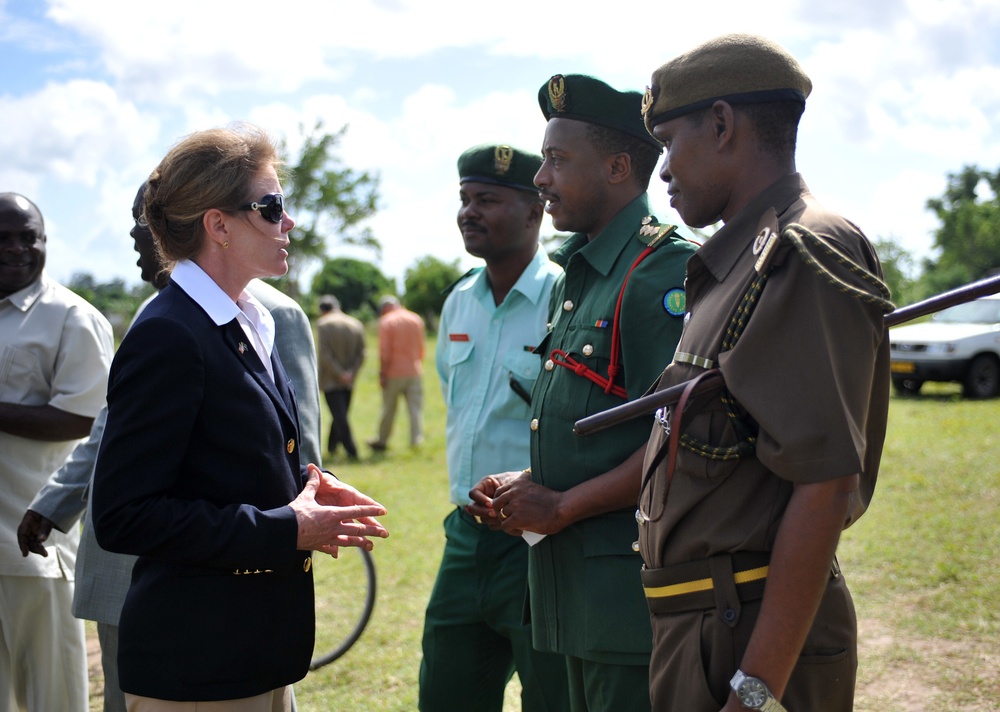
<point x="653" y="234"/>
<point x="448" y="290"/>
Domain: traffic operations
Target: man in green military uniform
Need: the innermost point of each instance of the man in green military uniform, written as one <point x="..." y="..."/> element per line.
<point x="616" y="316"/>
<point x="747" y="489"/>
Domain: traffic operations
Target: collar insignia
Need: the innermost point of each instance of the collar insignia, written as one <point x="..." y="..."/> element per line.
<point x="761" y="240"/>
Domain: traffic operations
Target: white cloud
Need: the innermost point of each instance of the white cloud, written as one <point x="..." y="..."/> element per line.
<point x="905" y="92"/>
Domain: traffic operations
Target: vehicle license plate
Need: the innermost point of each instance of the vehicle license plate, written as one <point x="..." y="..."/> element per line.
<point x="902" y="367"/>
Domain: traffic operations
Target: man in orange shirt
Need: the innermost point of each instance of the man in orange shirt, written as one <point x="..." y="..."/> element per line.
<point x="401" y="352"/>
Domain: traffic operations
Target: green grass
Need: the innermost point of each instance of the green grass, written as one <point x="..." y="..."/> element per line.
<point x="922" y="563"/>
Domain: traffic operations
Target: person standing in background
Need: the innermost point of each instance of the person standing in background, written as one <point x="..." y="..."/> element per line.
<point x="401" y="337"/>
<point x="340" y="353"/>
<point x="55" y="351"/>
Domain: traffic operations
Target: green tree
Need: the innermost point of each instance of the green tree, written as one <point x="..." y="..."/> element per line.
<point x="425" y="283"/>
<point x="356" y="283"/>
<point x="326" y="198"/>
<point x="115" y="300"/>
<point x="897" y="270"/>
<point x="968" y="238"/>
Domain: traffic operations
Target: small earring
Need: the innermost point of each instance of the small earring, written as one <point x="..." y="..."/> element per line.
<point x="225" y="245"/>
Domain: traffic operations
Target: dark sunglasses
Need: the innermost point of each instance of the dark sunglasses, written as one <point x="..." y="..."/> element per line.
<point x="271" y="207"/>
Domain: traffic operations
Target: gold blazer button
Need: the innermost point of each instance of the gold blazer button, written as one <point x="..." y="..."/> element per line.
<point x="291" y="446"/>
<point x="307" y="564"/>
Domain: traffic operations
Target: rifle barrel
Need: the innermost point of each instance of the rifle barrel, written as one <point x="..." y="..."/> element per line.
<point x="668" y="396"/>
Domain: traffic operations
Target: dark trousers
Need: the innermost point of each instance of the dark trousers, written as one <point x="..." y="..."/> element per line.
<point x="474" y="636"/>
<point x="340" y="430"/>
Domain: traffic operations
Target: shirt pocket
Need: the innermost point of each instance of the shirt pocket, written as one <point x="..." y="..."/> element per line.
<point x="22" y="379"/>
<point x="590" y="346"/>
<point x="523" y="367"/>
<point x="614" y="584"/>
<point x="461" y="372"/>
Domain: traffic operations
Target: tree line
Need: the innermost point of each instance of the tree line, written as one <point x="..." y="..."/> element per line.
<point x="331" y="203"/>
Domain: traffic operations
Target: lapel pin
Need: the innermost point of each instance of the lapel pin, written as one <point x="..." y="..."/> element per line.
<point x="242" y="347"/>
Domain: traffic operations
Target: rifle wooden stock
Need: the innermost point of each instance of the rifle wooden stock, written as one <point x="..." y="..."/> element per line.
<point x="668" y="396"/>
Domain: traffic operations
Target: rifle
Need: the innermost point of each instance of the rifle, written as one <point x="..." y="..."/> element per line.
<point x="668" y="396"/>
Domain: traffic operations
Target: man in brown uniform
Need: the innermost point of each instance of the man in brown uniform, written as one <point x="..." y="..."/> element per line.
<point x="740" y="512"/>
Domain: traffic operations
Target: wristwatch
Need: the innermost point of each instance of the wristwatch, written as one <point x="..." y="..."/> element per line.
<point x="753" y="693"/>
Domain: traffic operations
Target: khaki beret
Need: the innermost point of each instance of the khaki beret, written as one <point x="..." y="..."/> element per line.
<point x="499" y="164"/>
<point x="585" y="98"/>
<point x="737" y="68"/>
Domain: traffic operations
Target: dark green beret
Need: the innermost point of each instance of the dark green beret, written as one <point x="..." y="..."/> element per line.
<point x="499" y="164"/>
<point x="584" y="98"/>
<point x="738" y="68"/>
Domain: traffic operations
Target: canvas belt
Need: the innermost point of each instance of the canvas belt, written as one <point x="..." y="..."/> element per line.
<point x="723" y="582"/>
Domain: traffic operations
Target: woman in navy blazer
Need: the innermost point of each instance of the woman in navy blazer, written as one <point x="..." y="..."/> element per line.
<point x="199" y="473"/>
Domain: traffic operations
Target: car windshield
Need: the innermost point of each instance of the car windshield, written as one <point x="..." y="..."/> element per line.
<point x="983" y="311"/>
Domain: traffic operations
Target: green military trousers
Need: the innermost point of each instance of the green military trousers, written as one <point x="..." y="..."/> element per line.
<point x="474" y="634"/>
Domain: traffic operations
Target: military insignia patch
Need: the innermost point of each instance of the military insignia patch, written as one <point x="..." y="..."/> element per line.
<point x="502" y="158"/>
<point x="675" y="302"/>
<point x="557" y="93"/>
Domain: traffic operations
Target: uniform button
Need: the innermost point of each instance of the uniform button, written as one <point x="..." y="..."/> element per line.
<point x="568" y="305"/>
<point x="534" y="424"/>
<point x="307" y="564"/>
<point x="729" y="615"/>
<point x="635" y="546"/>
<point x="588" y="350"/>
<point x="291" y="446"/>
<point x="549" y="365"/>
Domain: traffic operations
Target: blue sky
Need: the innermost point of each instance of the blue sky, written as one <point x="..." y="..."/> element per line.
<point x="94" y="92"/>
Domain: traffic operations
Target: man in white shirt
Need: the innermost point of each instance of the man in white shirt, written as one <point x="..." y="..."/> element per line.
<point x="54" y="360"/>
<point x="474" y="636"/>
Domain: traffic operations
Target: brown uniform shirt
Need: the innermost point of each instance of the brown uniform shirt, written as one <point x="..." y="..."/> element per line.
<point x="811" y="369"/>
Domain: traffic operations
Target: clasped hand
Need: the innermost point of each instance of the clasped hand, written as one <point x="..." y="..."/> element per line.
<point x="512" y="502"/>
<point x="332" y="514"/>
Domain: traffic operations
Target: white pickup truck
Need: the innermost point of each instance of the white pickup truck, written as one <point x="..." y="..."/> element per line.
<point x="961" y="343"/>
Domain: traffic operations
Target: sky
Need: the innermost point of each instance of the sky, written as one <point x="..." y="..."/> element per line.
<point x="96" y="91"/>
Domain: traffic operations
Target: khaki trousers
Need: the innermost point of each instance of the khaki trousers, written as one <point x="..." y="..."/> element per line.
<point x="279" y="700"/>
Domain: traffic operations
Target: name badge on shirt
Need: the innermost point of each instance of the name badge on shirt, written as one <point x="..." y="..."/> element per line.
<point x="458" y="337"/>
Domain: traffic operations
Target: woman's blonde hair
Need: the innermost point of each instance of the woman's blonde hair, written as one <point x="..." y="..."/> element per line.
<point x="205" y="170"/>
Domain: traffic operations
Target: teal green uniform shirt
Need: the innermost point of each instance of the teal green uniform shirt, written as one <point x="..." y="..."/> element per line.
<point x="480" y="347"/>
<point x="585" y="591"/>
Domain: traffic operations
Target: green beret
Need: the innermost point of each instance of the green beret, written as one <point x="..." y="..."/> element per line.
<point x="499" y="164"/>
<point x="738" y="68"/>
<point x="584" y="98"/>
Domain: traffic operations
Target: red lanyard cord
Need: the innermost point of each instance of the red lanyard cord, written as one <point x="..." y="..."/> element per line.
<point x="561" y="358"/>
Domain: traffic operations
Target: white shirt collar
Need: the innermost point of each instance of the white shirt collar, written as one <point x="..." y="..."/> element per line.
<point x="198" y="285"/>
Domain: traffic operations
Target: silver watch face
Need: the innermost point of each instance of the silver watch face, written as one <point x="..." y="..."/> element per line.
<point x="752" y="693"/>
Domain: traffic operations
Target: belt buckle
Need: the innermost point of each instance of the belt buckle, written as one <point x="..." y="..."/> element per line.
<point x="662" y="417"/>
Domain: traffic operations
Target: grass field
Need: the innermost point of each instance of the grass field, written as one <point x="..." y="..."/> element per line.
<point x="922" y="563"/>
